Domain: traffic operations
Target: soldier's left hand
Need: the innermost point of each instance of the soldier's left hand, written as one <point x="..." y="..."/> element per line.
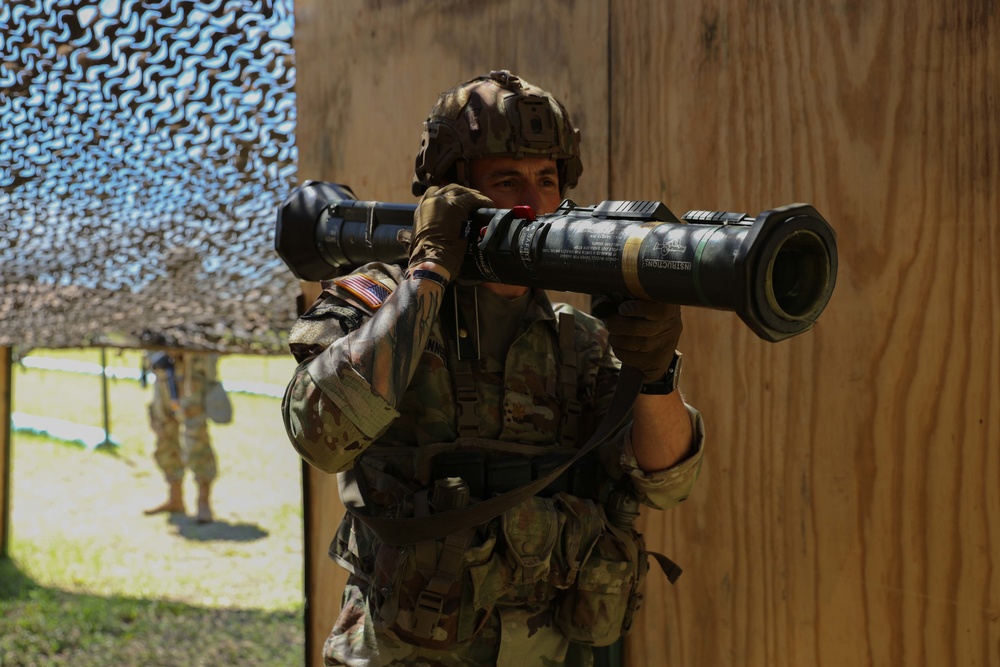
<point x="644" y="334"/>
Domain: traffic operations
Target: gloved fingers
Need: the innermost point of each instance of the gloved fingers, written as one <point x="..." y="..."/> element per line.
<point x="463" y="198"/>
<point x="644" y="318"/>
<point x="642" y="344"/>
<point x="442" y="211"/>
<point x="649" y="310"/>
<point x="634" y="326"/>
<point x="453" y="200"/>
<point x="438" y="222"/>
<point x="644" y="334"/>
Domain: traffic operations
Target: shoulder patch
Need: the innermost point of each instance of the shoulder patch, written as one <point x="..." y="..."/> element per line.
<point x="369" y="290"/>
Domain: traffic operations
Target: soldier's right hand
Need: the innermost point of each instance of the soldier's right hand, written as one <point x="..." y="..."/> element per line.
<point x="437" y="225"/>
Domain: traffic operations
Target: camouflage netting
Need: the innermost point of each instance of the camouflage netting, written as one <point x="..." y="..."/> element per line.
<point x="144" y="148"/>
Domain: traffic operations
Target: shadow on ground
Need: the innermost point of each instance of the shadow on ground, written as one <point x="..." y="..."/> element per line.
<point x="52" y="627"/>
<point x="219" y="530"/>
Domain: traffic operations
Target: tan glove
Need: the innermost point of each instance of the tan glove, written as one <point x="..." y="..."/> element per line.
<point x="644" y="334"/>
<point x="437" y="225"/>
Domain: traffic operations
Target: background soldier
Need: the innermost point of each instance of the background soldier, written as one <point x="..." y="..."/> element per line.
<point x="426" y="393"/>
<point x="179" y="399"/>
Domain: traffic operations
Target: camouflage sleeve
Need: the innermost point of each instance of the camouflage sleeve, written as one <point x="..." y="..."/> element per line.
<point x="664" y="489"/>
<point x="356" y="361"/>
<point x="661" y="489"/>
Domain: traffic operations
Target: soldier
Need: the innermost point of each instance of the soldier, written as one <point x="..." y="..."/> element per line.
<point x="179" y="397"/>
<point x="425" y="392"/>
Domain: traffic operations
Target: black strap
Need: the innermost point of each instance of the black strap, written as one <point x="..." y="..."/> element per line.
<point x="463" y="351"/>
<point x="669" y="567"/>
<point x="409" y="530"/>
<point x="568" y="378"/>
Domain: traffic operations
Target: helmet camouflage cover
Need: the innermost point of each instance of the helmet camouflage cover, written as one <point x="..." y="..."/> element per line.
<point x="495" y="115"/>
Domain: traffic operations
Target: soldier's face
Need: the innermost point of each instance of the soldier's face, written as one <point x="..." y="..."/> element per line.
<point x="530" y="181"/>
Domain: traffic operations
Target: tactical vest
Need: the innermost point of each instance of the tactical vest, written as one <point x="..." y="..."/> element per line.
<point x="571" y="546"/>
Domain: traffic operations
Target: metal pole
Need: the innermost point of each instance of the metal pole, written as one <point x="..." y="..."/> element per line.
<point x="6" y="386"/>
<point x="104" y="398"/>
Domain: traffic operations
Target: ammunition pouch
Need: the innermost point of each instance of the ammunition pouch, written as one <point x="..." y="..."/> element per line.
<point x="422" y="591"/>
<point x="557" y="546"/>
<point x="599" y="608"/>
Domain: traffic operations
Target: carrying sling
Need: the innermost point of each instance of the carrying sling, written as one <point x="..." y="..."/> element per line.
<point x="410" y="530"/>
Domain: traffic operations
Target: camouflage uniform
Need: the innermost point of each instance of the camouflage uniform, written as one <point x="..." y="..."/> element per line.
<point x="506" y="613"/>
<point x="192" y="374"/>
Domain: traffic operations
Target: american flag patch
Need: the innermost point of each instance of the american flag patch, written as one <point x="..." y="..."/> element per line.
<point x="368" y="290"/>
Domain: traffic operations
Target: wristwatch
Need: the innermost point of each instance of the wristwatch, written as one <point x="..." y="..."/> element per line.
<point x="671" y="378"/>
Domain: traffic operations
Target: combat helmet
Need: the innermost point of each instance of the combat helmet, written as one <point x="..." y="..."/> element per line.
<point x="498" y="114"/>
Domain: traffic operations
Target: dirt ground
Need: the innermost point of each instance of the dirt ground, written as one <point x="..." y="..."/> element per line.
<point x="77" y="520"/>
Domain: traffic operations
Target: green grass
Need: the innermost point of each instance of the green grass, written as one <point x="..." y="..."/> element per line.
<point x="92" y="581"/>
<point x="51" y="627"/>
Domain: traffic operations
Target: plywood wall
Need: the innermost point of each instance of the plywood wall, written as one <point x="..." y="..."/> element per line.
<point x="849" y="510"/>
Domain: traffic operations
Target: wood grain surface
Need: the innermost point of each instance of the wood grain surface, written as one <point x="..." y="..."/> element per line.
<point x="848" y="510"/>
